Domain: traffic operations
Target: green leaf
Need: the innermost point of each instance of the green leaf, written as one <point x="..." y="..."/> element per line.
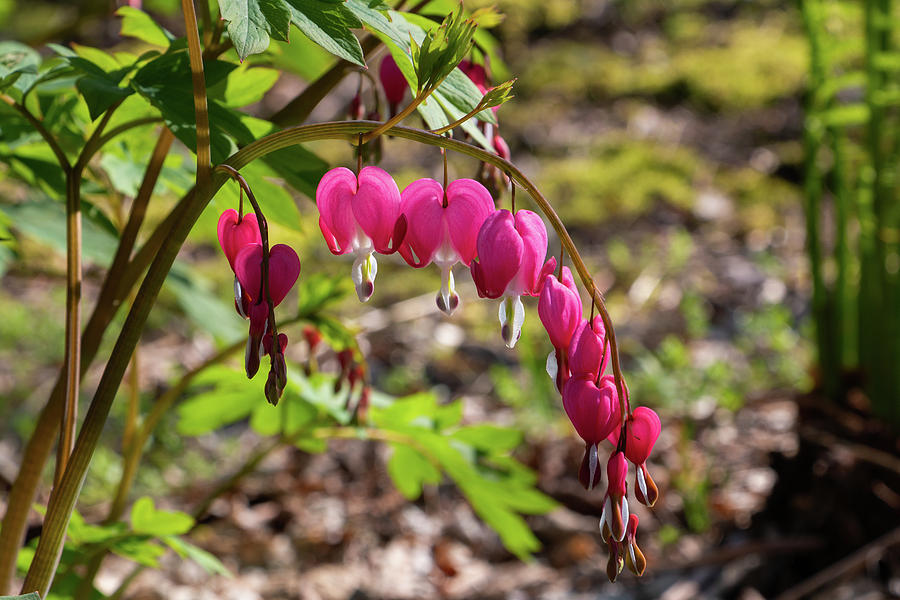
<point x="166" y="83"/>
<point x="442" y="48"/>
<point x="227" y="396"/>
<point x="329" y="25"/>
<point x="244" y="86"/>
<point x="142" y="551"/>
<point x="184" y="549"/>
<point x="31" y="596"/>
<point x="378" y="22"/>
<point x="290" y="415"/>
<point x="410" y="470"/>
<point x="252" y="22"/>
<point x="299" y="167"/>
<point x="100" y="93"/>
<point x="319" y="290"/>
<point x="490" y="438"/>
<point x="45" y="221"/>
<point x="18" y="66"/>
<point x="138" y="24"/>
<point x="202" y="305"/>
<point x="145" y="518"/>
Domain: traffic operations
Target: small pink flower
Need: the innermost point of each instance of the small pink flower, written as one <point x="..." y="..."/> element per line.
<point x="360" y="215"/>
<point x="560" y="310"/>
<point x="590" y="407"/>
<point x="284" y="268"/>
<point x="511" y="252"/>
<point x="393" y="82"/>
<point x="588" y="355"/>
<point x="234" y="234"/>
<point x="615" y="505"/>
<point x="642" y="430"/>
<point x="443" y="229"/>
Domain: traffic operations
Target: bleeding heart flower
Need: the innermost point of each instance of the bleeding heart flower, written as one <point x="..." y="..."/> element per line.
<point x="443" y="228"/>
<point x="360" y="215"/>
<point x="614" y="517"/>
<point x="284" y="268"/>
<point x="590" y="406"/>
<point x="642" y="429"/>
<point x="560" y="310"/>
<point x="588" y="354"/>
<point x="235" y="233"/>
<point x="511" y="252"/>
<point x="393" y="82"/>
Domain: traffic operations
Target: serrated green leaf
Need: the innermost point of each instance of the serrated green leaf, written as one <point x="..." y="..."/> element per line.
<point x="227" y="396"/>
<point x="184" y="549"/>
<point x="138" y="24"/>
<point x="146" y="518"/>
<point x="329" y="25"/>
<point x="252" y="22"/>
<point x="410" y="470"/>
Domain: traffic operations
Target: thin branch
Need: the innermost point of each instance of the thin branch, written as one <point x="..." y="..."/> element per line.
<point x="119" y="129"/>
<point x="204" y="158"/>
<point x="36" y="123"/>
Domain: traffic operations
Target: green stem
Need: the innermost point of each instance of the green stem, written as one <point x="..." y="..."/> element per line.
<point x="39" y="126"/>
<point x="201" y="110"/>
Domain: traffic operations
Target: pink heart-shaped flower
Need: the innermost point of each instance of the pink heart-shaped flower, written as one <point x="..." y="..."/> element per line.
<point x="560" y="309"/>
<point x="587" y="355"/>
<point x="235" y="234"/>
<point x="359" y="213"/>
<point x="445" y="235"/>
<point x="590" y="407"/>
<point x="643" y="430"/>
<point x="284" y="268"/>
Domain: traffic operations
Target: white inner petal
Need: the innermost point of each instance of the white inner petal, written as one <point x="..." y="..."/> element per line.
<point x="552" y="366"/>
<point x="642" y="483"/>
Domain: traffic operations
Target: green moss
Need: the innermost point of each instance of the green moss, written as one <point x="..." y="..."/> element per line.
<point x="619" y="179"/>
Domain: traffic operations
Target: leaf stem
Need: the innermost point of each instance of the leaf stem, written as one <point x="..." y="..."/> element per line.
<point x="39" y="126"/>
<point x="204" y="158"/>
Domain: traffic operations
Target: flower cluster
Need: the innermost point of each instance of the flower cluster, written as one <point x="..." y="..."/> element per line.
<point x="262" y="278"/>
<point x="591" y="399"/>
<point x="364" y="213"/>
